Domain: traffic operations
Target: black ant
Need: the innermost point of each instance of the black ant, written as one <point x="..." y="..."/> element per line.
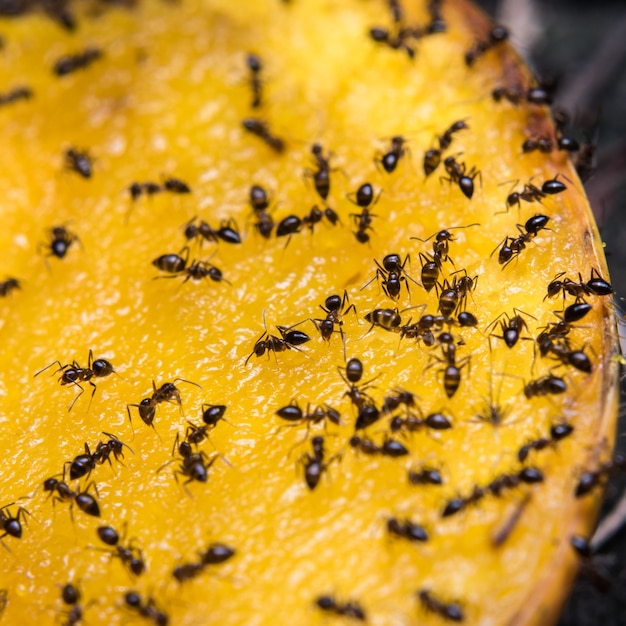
<point x="589" y="480"/>
<point x="199" y="270"/>
<point x="544" y="144"/>
<point x="529" y="193"/>
<point x="313" y="462"/>
<point x="392" y="274"/>
<point x="390" y="447"/>
<point x="259" y="201"/>
<point x="510" y="247"/>
<point x="553" y="186"/>
<point x="213" y="413"/>
<point x="397" y="41"/>
<point x="406" y="529"/>
<point x="364" y="198"/>
<point x="146" y="609"/>
<point x="432" y="159"/>
<point x="353" y="374"/>
<point x="425" y="476"/>
<point x="138" y="189"/>
<point x="546" y="385"/>
<point x="9" y="285"/>
<point x="176" y="185"/>
<point x="510" y="326"/>
<point x="389" y="319"/>
<point x="320" y="176"/>
<point x="215" y="554"/>
<point x="78" y="161"/>
<point x="61" y="239"/>
<point x="167" y="392"/>
<point x="412" y="423"/>
<point x="557" y="432"/>
<point x="458" y="175"/>
<point x="399" y="397"/>
<point x="261" y="129"/>
<point x="335" y="309"/>
<point x="131" y="556"/>
<point x="288" y="226"/>
<point x="227" y="231"/>
<point x="390" y="159"/>
<point x="350" y="609"/>
<point x="315" y="215"/>
<point x="70" y="595"/>
<point x="452" y="369"/>
<point x="83" y="499"/>
<point x="452" y="611"/>
<point x="293" y="413"/>
<point x="596" y="285"/>
<point x="193" y="465"/>
<point x="560" y="351"/>
<point x="12" y="525"/>
<point x="72" y="62"/>
<point x="74" y="374"/>
<point x="289" y="340"/>
<point x="422" y="329"/>
<point x="255" y="66"/>
<point x="19" y="93"/>
<point x="496" y="35"/>
<point x="445" y="139"/>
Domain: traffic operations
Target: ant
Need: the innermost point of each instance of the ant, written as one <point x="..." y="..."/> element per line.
<point x="391" y="447"/>
<point x="557" y="432"/>
<point x="560" y="351"/>
<point x="213" y="413"/>
<point x="227" y="232"/>
<point x="193" y="465"/>
<point x="553" y="186"/>
<point x="510" y="326"/>
<point x="316" y="214"/>
<point x="432" y="157"/>
<point x="260" y="202"/>
<point x="591" y="479"/>
<point x="83" y="464"/>
<point x="544" y="144"/>
<point x="399" y="397"/>
<point x="458" y="175"/>
<point x="544" y="386"/>
<point x="293" y="413"/>
<point x="289" y="340"/>
<point x="216" y="553"/>
<point x="510" y="247"/>
<point x="198" y="270"/>
<point x="452" y="369"/>
<point x="78" y="161"/>
<point x="175" y="185"/>
<point x="320" y="176"/>
<point x="596" y="285"/>
<point x="167" y="392"/>
<point x="83" y="499"/>
<point x="364" y="198"/>
<point x="138" y="189"/>
<point x="396" y="41"/>
<point x="529" y="193"/>
<point x="406" y="529"/>
<point x="419" y="330"/>
<point x="261" y="129"/>
<point x="74" y="374"/>
<point x="148" y="609"/>
<point x="335" y="309"/>
<point x="255" y="66"/>
<point x="61" y="239"/>
<point x="70" y="595"/>
<point x="9" y="285"/>
<point x="348" y="609"/>
<point x="425" y="476"/>
<point x="19" y="93"/>
<point x="390" y="159"/>
<point x="451" y="611"/>
<point x="288" y="226"/>
<point x="353" y="374"/>
<point x="72" y="62"/>
<point x="496" y="35"/>
<point x="196" y="434"/>
<point x="313" y="462"/>
<point x="131" y="556"/>
<point x="412" y="423"/>
<point x="12" y="525"/>
<point x="392" y="273"/>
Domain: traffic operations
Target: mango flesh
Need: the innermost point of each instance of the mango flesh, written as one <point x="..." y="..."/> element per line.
<point x="168" y="98"/>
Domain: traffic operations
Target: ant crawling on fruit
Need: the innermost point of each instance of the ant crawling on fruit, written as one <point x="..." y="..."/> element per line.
<point x="363" y="197"/>
<point x="130" y="555"/>
<point x="60" y="241"/>
<point x="261" y="129"/>
<point x="389" y="160"/>
<point x="448" y="610"/>
<point x="314" y="462"/>
<point x="74" y="374"/>
<point x="289" y="340"/>
<point x="147" y="609"/>
<point x="83" y="464"/>
<point x="72" y="62"/>
<point x="255" y="66"/>
<point x="458" y="175"/>
<point x="70" y="595"/>
<point x="167" y="392"/>
<point x="335" y="308"/>
<point x="12" y="525"/>
<point x="392" y="275"/>
<point x="352" y="609"/>
<point x="78" y="161"/>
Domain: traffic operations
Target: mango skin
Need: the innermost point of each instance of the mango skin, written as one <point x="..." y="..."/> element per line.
<point x="161" y="104"/>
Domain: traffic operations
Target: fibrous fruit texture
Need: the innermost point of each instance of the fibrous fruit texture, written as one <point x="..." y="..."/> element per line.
<point x="304" y="319"/>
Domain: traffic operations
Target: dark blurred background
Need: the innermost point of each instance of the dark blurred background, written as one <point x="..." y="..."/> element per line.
<point x="580" y="48"/>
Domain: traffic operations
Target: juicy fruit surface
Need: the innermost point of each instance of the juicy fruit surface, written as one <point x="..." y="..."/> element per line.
<point x="167" y="97"/>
